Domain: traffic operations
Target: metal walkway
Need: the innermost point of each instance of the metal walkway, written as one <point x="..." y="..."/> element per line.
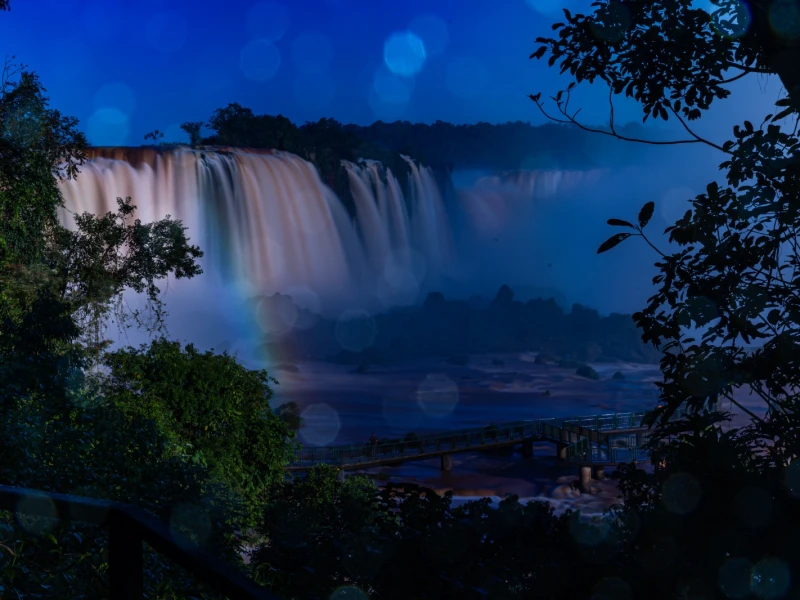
<point x="598" y="439"/>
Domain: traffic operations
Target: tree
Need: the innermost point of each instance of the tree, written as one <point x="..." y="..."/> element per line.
<point x="208" y="406"/>
<point x="350" y="534"/>
<point x="732" y="274"/>
<point x="289" y="413"/>
<point x="60" y="433"/>
<point x="154" y="135"/>
<point x="192" y="129"/>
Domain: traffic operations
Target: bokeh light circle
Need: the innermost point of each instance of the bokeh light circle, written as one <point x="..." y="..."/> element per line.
<point x="437" y="395"/>
<point x="734" y="577"/>
<point x="681" y="493"/>
<point x="260" y="60"/>
<point x="784" y="18"/>
<point x="390" y="88"/>
<point x="31" y="509"/>
<point x="433" y="32"/>
<point x="404" y="54"/>
<point x="116" y="95"/>
<point x="355" y="330"/>
<point x="315" y="92"/>
<point x="348" y="592"/>
<point x="312" y="52"/>
<point x="321" y="425"/>
<point x="732" y="23"/>
<point x="167" y="32"/>
<point x="770" y="578"/>
<point x="304" y="298"/>
<point x="615" y="24"/>
<point x="268" y="20"/>
<point x="108" y="127"/>
<point x="192" y="524"/>
<point x="276" y="317"/>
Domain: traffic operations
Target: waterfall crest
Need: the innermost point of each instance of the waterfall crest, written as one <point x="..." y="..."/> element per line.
<point x="267" y="221"/>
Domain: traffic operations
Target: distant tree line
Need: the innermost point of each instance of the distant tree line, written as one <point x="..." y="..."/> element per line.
<point x="442" y="146"/>
<point x="454" y="328"/>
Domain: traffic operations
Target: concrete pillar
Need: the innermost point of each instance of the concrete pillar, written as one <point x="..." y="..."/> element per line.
<point x="598" y="472"/>
<point x="527" y="448"/>
<point x="340" y="475"/>
<point x="585" y="482"/>
<point x="447" y="462"/>
<point x="561" y="451"/>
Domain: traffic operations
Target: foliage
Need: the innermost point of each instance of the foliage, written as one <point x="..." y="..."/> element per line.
<point x="208" y="406"/>
<point x="720" y="509"/>
<point x="40" y="142"/>
<point x="502" y="146"/>
<point x="107" y="254"/>
<point x="351" y="534"/>
<point x="92" y="450"/>
<point x="154" y="135"/>
<point x="192" y="129"/>
<point x="289" y="413"/>
<point x="60" y="433"/>
<point x="454" y="329"/>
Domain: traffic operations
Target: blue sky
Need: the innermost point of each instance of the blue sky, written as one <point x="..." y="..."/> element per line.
<point x="125" y="68"/>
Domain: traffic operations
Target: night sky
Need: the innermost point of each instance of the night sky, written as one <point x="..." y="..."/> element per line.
<point x="125" y="68"/>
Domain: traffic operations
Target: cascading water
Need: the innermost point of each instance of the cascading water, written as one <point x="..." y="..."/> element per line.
<point x="267" y="221"/>
<point x="495" y="201"/>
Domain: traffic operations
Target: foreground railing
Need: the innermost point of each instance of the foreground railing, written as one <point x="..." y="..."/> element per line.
<point x="476" y="437"/>
<point x="129" y="526"/>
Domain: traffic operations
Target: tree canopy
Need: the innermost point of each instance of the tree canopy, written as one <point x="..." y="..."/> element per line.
<point x="731" y="280"/>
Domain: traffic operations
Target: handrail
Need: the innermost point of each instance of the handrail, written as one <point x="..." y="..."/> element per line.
<point x="129" y="526"/>
<point x="474" y="437"/>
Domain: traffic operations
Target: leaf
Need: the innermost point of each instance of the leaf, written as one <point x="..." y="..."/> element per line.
<point x="646" y="213"/>
<point x="619" y="223"/>
<point x="784" y="113"/>
<point x="774" y="316"/>
<point x="613" y="241"/>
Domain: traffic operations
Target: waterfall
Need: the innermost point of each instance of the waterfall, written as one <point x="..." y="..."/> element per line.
<point x="267" y="221"/>
<point x="495" y="202"/>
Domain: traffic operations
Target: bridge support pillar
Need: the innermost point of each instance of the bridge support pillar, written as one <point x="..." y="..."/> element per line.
<point x="561" y="451"/>
<point x="340" y="475"/>
<point x="585" y="482"/>
<point x="527" y="448"/>
<point x="598" y="472"/>
<point x="447" y="462"/>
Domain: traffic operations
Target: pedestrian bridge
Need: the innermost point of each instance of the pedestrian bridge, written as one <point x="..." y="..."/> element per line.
<point x="590" y="442"/>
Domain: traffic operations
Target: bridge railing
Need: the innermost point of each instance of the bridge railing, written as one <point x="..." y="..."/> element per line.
<point x="128" y="528"/>
<point x="466" y="438"/>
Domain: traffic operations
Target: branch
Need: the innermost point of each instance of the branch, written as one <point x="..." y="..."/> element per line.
<point x="735" y="77"/>
<point x="573" y="121"/>
<point x="695" y="136"/>
<point x="746" y="70"/>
